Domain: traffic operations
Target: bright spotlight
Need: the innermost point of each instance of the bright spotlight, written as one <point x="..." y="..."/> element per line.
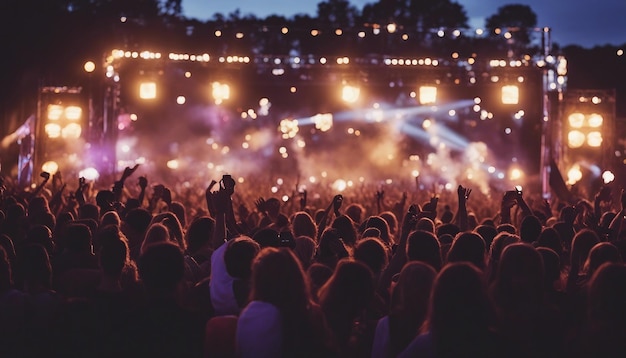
<point x="594" y="139"/>
<point x="510" y="94"/>
<point x="608" y="176"/>
<point x="516" y="174"/>
<point x="220" y="91"/>
<point x="55" y="112"/>
<point x="339" y="185"/>
<point x="53" y="130"/>
<point x="90" y="173"/>
<point x="71" y="131"/>
<point x="575" y="139"/>
<point x="147" y="90"/>
<point x="350" y="94"/>
<point x="428" y="94"/>
<point x="73" y="113"/>
<point x="595" y="120"/>
<point x="89" y="66"/>
<point x="323" y="122"/>
<point x="173" y="164"/>
<point x="50" y="167"/>
<point x="574" y="175"/>
<point x="576" y="120"/>
<point x="289" y="127"/>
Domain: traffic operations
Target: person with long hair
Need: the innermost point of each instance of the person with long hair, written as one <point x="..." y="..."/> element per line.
<point x="583" y="241"/>
<point x="409" y="306"/>
<point x="347" y="300"/>
<point x="529" y="326"/>
<point x="302" y="224"/>
<point x="459" y="318"/>
<point x="346" y="229"/>
<point x="606" y="312"/>
<point x="280" y="320"/>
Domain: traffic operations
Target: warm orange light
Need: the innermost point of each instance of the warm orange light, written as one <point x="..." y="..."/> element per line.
<point x="575" y="139"/>
<point x="89" y="66"/>
<point x="55" y="112"/>
<point x="350" y="94"/>
<point x="221" y="92"/>
<point x="510" y="94"/>
<point x="576" y="120"/>
<point x="147" y="90"/>
<point x="428" y="94"/>
<point x="73" y="113"/>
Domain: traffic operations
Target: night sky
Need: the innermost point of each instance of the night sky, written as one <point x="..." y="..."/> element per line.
<point x="572" y="22"/>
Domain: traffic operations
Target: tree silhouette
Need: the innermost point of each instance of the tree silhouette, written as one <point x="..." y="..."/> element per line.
<point x="417" y="15"/>
<point x="520" y="20"/>
<point x="336" y="14"/>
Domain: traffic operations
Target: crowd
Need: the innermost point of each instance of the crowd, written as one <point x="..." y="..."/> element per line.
<point x="144" y="272"/>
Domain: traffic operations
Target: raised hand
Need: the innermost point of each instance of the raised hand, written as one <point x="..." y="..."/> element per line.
<point x="410" y="219"/>
<point x="167" y="196"/>
<point x="434" y="200"/>
<point x="209" y="190"/>
<point x="128" y="171"/>
<point x="509" y="199"/>
<point x="380" y="197"/>
<point x="79" y="193"/>
<point x="303" y="197"/>
<point x="337" y="201"/>
<point x="261" y="205"/>
<point x="142" y="182"/>
<point x="463" y="193"/>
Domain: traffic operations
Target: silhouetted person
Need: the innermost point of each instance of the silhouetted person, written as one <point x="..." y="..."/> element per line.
<point x="453" y="330"/>
<point x="409" y="306"/>
<point x="165" y="328"/>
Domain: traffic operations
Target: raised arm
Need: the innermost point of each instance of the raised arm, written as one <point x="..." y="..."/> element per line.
<point x="56" y="202"/>
<point x="303" y="199"/>
<point x="460" y="218"/>
<point x="220" y="200"/>
<point x="143" y="184"/>
<point x="224" y="214"/>
<point x="521" y="203"/>
<point x="399" y="257"/>
<point x="118" y="186"/>
<point x="79" y="194"/>
<point x="617" y="224"/>
<point x="39" y="188"/>
<point x="398" y="208"/>
<point x="508" y="201"/>
<point x="334" y="206"/>
<point x="209" y="198"/>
